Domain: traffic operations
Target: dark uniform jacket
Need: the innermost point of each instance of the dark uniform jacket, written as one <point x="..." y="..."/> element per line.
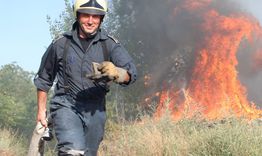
<point x="78" y="66"/>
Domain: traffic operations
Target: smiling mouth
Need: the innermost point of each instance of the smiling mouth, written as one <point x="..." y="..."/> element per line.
<point x="89" y="26"/>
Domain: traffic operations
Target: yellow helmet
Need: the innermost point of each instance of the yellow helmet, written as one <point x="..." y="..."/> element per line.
<point x="93" y="7"/>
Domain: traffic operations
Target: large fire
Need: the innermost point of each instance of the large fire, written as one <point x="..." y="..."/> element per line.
<point x="214" y="91"/>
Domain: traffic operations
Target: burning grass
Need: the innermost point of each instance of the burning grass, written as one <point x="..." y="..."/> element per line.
<point x="235" y="137"/>
<point x="214" y="84"/>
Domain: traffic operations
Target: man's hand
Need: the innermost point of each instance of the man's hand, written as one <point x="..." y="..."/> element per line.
<point x="41" y="117"/>
<point x="118" y="75"/>
<point x="108" y="69"/>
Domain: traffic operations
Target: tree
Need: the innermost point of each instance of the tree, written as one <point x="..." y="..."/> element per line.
<point x="17" y="98"/>
<point x="64" y="23"/>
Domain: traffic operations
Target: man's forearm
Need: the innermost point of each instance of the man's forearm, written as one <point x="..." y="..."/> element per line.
<point x="41" y="100"/>
<point x="41" y="111"/>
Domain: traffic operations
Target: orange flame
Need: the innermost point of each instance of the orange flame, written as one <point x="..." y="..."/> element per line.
<point x="214" y="90"/>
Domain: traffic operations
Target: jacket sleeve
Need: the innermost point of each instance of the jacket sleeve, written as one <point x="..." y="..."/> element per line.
<point x="47" y="72"/>
<point x="121" y="58"/>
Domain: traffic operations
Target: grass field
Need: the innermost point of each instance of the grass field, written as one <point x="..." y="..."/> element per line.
<point x="164" y="137"/>
<point x="11" y="144"/>
<point x="229" y="137"/>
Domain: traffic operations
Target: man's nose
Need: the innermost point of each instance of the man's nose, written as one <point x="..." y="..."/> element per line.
<point x="90" y="19"/>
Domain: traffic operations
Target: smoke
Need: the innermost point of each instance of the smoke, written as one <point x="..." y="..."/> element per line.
<point x="253" y="7"/>
<point x="250" y="69"/>
<point x="168" y="36"/>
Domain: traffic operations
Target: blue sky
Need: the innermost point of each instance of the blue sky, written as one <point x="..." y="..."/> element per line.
<point x="25" y="32"/>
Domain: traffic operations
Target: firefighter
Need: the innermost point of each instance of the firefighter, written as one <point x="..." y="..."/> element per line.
<point x="77" y="108"/>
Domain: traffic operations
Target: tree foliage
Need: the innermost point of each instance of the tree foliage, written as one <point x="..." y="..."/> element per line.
<point x="64" y="23"/>
<point x="17" y="98"/>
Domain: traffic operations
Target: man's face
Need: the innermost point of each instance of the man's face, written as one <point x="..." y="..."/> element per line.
<point x="89" y="23"/>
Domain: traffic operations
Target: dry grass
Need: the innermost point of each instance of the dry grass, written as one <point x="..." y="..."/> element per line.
<point x="11" y="144"/>
<point x="230" y="137"/>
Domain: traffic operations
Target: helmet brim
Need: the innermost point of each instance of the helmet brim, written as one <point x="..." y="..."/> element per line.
<point x="91" y="11"/>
